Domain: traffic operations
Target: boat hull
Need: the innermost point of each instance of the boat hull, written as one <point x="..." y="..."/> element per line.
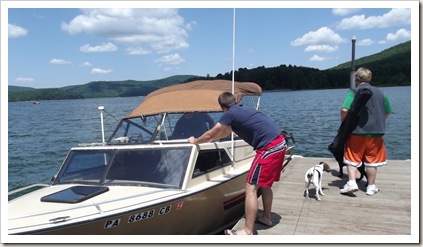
<point x="204" y="212"/>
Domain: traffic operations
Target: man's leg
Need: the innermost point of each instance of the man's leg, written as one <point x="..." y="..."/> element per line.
<point x="251" y="208"/>
<point x="371" y="175"/>
<point x="371" y="178"/>
<point x="353" y="154"/>
<point x="352" y="172"/>
<point x="267" y="198"/>
<point x="351" y="185"/>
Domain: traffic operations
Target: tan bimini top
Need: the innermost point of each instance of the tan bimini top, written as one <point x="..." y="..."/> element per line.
<point x="193" y="96"/>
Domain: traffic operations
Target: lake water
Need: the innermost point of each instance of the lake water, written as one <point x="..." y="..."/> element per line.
<point x="39" y="136"/>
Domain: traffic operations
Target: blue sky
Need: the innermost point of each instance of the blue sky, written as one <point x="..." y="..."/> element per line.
<point x="54" y="45"/>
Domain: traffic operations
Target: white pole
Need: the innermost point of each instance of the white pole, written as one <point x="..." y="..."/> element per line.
<point x="101" y="108"/>
<point x="233" y="79"/>
<point x="233" y="54"/>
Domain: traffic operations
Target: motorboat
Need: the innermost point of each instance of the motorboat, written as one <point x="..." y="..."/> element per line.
<point x="146" y="178"/>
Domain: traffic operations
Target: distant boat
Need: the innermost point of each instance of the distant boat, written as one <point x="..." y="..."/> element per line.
<point x="35" y="102"/>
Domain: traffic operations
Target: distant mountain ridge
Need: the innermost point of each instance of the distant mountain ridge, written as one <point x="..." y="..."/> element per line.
<point x="390" y="67"/>
<point x="95" y="89"/>
<point x="18" y="88"/>
<point x="126" y="88"/>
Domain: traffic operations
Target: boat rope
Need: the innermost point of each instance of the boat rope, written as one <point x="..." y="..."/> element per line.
<point x="117" y="120"/>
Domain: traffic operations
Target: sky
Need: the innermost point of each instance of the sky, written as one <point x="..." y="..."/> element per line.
<point x="51" y="45"/>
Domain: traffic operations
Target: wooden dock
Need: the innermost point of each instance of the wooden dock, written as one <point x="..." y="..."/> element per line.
<point x="388" y="213"/>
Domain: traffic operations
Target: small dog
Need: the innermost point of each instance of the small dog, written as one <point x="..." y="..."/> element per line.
<point x="314" y="176"/>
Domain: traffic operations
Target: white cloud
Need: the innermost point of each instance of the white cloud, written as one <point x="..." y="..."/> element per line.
<point x="365" y="42"/>
<point x="321" y="48"/>
<point x="171" y="59"/>
<point x="162" y="30"/>
<point x="394" y="17"/>
<point x="59" y="61"/>
<point x="105" y="47"/>
<point x="344" y="12"/>
<point x="136" y="51"/>
<point x="16" y="31"/>
<point x="317" y="58"/>
<point x="101" y="71"/>
<point x="85" y="64"/>
<point x="25" y="79"/>
<point x="401" y="34"/>
<point x="323" y="36"/>
<point x="39" y="16"/>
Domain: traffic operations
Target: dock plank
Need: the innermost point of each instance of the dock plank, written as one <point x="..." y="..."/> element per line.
<point x="386" y="213"/>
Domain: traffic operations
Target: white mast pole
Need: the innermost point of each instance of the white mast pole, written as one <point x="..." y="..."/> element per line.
<point x="233" y="79"/>
<point x="233" y="54"/>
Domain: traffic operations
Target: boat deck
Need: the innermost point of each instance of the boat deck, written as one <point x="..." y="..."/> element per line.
<point x="389" y="212"/>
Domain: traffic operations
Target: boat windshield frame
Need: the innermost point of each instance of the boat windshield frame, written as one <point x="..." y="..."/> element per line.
<point x="163" y="167"/>
<point x="159" y="128"/>
<point x="170" y="128"/>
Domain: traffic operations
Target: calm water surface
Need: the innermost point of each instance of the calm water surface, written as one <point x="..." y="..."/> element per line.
<point x="39" y="136"/>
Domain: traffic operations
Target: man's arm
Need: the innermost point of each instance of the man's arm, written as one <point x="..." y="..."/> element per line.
<point x="217" y="132"/>
<point x="347" y="104"/>
<point x="344" y="113"/>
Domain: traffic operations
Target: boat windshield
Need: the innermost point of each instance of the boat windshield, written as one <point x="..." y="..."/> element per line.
<point x="136" y="130"/>
<point x="159" y="167"/>
<point x="163" y="127"/>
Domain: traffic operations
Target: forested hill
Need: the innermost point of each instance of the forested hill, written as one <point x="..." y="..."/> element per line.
<point x="95" y="89"/>
<point x="391" y="67"/>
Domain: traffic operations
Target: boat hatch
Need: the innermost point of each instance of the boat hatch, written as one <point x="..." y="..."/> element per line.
<point x="75" y="194"/>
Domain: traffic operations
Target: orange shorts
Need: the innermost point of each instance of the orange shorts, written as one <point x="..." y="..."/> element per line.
<point x="369" y="150"/>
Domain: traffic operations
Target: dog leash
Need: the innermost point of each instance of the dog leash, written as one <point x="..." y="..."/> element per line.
<point x="301" y="212"/>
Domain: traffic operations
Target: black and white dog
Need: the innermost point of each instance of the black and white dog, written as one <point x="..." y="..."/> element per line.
<point x="314" y="176"/>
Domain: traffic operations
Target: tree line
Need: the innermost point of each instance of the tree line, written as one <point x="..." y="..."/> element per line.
<point x="393" y="70"/>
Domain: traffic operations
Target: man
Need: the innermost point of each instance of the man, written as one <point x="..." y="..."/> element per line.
<point x="365" y="145"/>
<point x="192" y="124"/>
<point x="265" y="137"/>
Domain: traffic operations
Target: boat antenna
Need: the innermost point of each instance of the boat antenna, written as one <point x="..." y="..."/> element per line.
<point x="233" y="54"/>
<point x="233" y="80"/>
<point x="101" y="108"/>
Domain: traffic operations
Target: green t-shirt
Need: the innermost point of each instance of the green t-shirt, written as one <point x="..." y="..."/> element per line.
<point x="350" y="97"/>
